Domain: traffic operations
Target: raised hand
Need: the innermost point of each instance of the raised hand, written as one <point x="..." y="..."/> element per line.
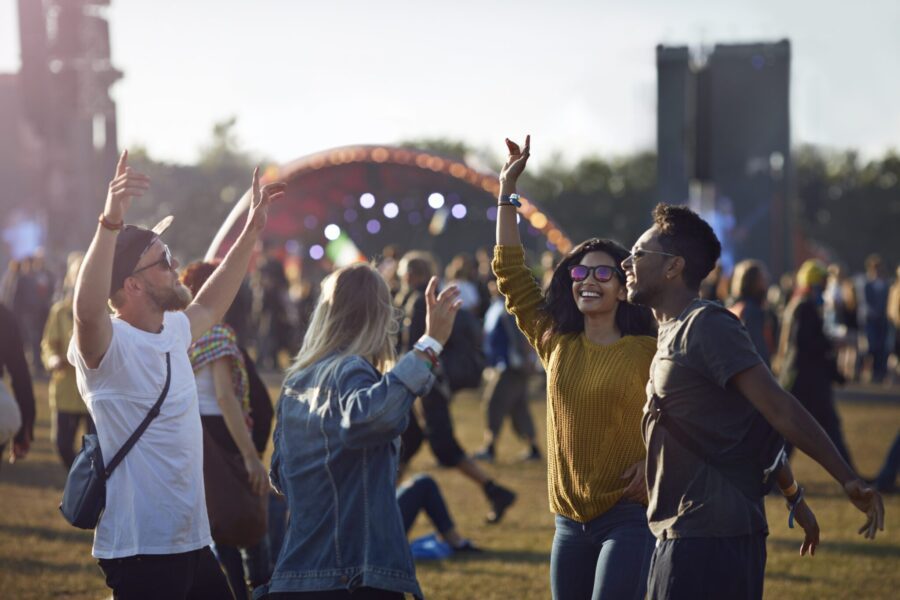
<point x="515" y="162"/>
<point x="441" y="310"/>
<point x="126" y="184"/>
<point x="867" y="500"/>
<point x="260" y="200"/>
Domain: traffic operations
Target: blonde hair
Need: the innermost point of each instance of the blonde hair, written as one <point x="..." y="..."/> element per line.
<point x="354" y="316"/>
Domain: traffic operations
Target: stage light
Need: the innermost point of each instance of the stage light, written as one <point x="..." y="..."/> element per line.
<point x="458" y="211"/>
<point x="310" y="221"/>
<point x="350" y="215"/>
<point x="316" y="252"/>
<point x="436" y="200"/>
<point x="373" y="226"/>
<point x="367" y="200"/>
<point x="391" y="210"/>
<point x="332" y="231"/>
<point x="491" y="213"/>
<point x="538" y="220"/>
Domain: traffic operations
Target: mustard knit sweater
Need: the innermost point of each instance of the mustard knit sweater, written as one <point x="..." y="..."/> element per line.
<point x="595" y="399"/>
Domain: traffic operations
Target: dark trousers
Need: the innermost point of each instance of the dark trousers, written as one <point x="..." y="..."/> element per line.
<point x="422" y="493"/>
<point x="708" y="568"/>
<point x="507" y="394"/>
<point x="245" y="565"/>
<point x="887" y="476"/>
<point x="187" y="576"/>
<point x="438" y="430"/>
<point x="66" y="427"/>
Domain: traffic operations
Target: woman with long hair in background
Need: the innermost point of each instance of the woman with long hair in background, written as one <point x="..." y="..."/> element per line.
<point x="222" y="393"/>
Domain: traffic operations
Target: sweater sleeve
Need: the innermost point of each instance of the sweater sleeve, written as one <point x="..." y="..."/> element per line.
<point x="523" y="296"/>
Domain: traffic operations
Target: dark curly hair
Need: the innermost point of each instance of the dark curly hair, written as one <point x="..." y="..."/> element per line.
<point x="195" y="275"/>
<point x="683" y="232"/>
<point x="560" y="311"/>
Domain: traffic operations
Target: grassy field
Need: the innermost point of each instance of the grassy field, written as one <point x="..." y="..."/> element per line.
<point x="43" y="557"/>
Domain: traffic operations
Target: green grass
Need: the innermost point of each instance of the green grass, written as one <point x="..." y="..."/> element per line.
<point x="41" y="556"/>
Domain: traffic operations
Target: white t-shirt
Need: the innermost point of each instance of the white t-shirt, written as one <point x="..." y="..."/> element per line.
<point x="155" y="499"/>
<point x="206" y="392"/>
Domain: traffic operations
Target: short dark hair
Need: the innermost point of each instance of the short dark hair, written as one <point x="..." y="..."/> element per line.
<point x="561" y="314"/>
<point x="683" y="232"/>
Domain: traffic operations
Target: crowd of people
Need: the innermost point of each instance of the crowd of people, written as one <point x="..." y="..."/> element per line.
<point x="665" y="381"/>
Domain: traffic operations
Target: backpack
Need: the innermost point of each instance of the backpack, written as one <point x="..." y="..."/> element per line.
<point x="463" y="358"/>
<point x="753" y="470"/>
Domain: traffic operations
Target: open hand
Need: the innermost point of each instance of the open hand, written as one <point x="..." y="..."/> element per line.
<point x="260" y="200"/>
<point x="126" y="184"/>
<point x="806" y="519"/>
<point x="515" y="162"/>
<point x="637" y="486"/>
<point x="256" y="475"/>
<point x="866" y="499"/>
<point x="441" y="310"/>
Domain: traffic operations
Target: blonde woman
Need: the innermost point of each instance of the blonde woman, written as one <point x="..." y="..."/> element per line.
<point x="343" y="406"/>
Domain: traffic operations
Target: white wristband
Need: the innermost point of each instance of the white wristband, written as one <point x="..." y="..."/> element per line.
<point x="429" y="342"/>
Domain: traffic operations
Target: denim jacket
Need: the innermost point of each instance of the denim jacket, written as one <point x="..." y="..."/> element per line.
<point x="335" y="459"/>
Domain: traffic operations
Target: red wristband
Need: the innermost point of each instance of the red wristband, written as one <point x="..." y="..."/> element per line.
<point x="109" y="225"/>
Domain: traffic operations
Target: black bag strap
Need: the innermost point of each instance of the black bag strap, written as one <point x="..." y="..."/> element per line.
<point x="154" y="412"/>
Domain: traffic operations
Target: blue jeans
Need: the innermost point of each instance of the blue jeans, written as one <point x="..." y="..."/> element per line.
<point x="422" y="493"/>
<point x="608" y="557"/>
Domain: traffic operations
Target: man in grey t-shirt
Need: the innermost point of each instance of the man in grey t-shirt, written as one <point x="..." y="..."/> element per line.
<point x="709" y="380"/>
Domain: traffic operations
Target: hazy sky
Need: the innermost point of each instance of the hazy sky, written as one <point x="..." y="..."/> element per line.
<point x="578" y="75"/>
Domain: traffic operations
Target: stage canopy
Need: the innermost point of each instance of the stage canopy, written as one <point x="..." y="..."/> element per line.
<point x="349" y="203"/>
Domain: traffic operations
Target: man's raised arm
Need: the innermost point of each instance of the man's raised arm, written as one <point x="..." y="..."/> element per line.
<point x="791" y="420"/>
<point x="217" y="294"/>
<point x="93" y="330"/>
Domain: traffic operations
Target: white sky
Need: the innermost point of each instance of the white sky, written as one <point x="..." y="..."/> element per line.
<point x="304" y="76"/>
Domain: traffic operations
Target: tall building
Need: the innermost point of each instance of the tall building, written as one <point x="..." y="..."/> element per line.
<point x="61" y="122"/>
<point x="723" y="137"/>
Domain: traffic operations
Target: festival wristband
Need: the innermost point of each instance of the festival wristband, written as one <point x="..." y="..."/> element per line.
<point x="510" y="199"/>
<point x="790" y="490"/>
<point x="426" y="341"/>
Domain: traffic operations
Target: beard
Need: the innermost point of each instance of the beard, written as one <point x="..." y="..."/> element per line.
<point x="640" y="297"/>
<point x="175" y="298"/>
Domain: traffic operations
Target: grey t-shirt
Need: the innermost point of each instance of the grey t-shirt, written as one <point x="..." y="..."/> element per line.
<point x="697" y="354"/>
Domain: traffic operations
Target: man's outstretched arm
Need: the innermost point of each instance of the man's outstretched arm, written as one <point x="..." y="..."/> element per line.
<point x="790" y="419"/>
<point x="93" y="329"/>
<point x="217" y="294"/>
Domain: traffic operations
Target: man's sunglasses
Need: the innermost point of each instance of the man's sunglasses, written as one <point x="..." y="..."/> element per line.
<point x="637" y="253"/>
<point x="165" y="261"/>
<point x="601" y="273"/>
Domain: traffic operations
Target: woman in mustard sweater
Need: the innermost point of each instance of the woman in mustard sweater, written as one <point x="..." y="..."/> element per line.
<point x="596" y="349"/>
